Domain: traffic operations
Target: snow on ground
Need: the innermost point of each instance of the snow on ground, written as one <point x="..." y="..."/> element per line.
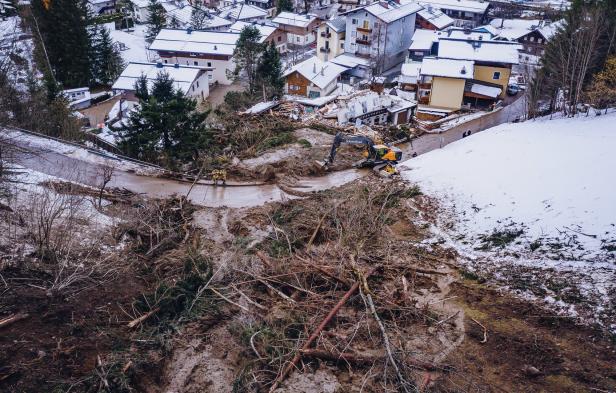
<point x="134" y="41"/>
<point x="88" y="155"/>
<point x="533" y="205"/>
<point x="16" y="49"/>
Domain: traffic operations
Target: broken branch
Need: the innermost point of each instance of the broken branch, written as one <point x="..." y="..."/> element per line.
<point x="12" y="319"/>
<point x="316" y="332"/>
<point x="485" y="331"/>
<point x="142" y="318"/>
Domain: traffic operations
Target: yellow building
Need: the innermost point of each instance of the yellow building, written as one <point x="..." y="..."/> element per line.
<point x="497" y="75"/>
<point x="330" y="38"/>
<point x="445" y="80"/>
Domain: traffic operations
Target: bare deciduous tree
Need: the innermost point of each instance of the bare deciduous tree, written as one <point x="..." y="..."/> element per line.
<point x="105" y="176"/>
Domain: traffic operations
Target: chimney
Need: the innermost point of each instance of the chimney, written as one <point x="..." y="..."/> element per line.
<point x="177" y="65"/>
<point x="322" y="70"/>
<point x="463" y="70"/>
<point x="384" y="4"/>
<point x="314" y="68"/>
<point x="159" y="64"/>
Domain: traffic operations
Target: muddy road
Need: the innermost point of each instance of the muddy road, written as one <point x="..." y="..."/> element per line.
<point x="86" y="167"/>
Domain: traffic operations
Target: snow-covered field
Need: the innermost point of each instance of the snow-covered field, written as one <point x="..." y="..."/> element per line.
<point x="533" y="205"/>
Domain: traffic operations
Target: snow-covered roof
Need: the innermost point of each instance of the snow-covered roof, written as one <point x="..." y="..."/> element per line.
<point x="292" y="19"/>
<point x="337" y="24"/>
<point x="436" y="17"/>
<point x="423" y="39"/>
<point x="484" y="90"/>
<point x="486" y="29"/>
<point x="392" y="11"/>
<point x="409" y="72"/>
<point x="76" y="90"/>
<point x="140" y="3"/>
<point x="465" y="34"/>
<point x="487" y="51"/>
<point x="318" y="72"/>
<point x="478" y="7"/>
<point x="182" y="12"/>
<point x="183" y="76"/>
<point x="512" y="29"/>
<point x="550" y="30"/>
<point x="264" y="29"/>
<point x="448" y="68"/>
<point x="242" y="11"/>
<point x="350" y="61"/>
<point x="187" y="41"/>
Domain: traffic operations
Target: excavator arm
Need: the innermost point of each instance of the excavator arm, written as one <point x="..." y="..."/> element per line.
<point x="351" y="140"/>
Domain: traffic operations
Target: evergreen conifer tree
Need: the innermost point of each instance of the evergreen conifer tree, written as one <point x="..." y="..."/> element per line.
<point x="106" y="61"/>
<point x="63" y="27"/>
<point x="270" y="72"/>
<point x="166" y="127"/>
<point x="284" y="5"/>
<point x="247" y="54"/>
<point x="155" y="21"/>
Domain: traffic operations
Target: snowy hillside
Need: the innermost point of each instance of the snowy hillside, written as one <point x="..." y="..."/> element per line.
<point x="524" y="199"/>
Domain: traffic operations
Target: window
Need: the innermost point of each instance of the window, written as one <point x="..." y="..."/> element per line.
<point x="496" y="75"/>
<point x="193" y="87"/>
<point x="354" y="21"/>
<point x="532" y="39"/>
<point x="165" y="61"/>
<point x="209" y="76"/>
<point x="209" y="64"/>
<point x="196" y="63"/>
<point x="197" y="83"/>
<point x="297" y="39"/>
<point x="342" y="45"/>
<point x="279" y="38"/>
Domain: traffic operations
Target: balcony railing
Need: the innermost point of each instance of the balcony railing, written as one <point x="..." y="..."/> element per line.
<point x="325" y="34"/>
<point x="324" y="49"/>
<point x="362" y="42"/>
<point x="364" y="30"/>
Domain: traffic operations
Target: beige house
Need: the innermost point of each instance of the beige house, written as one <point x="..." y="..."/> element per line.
<point x="330" y="38"/>
<point x="445" y="80"/>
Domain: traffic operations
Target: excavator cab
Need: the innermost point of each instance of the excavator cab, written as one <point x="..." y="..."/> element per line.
<point x="377" y="156"/>
<point x="387" y="153"/>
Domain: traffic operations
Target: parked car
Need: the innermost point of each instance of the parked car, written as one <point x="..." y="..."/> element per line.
<point x="513" y="89"/>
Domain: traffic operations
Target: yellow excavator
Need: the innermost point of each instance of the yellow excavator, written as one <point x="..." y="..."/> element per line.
<point x="379" y="157"/>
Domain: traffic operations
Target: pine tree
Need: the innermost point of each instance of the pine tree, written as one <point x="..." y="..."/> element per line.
<point x="166" y="127"/>
<point x="106" y="61"/>
<point x="155" y="21"/>
<point x="63" y="27"/>
<point x="270" y="72"/>
<point x="247" y="54"/>
<point x="284" y="5"/>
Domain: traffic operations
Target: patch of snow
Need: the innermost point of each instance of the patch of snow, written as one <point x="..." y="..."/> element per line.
<point x="80" y="153"/>
<point x="133" y="41"/>
<point x="546" y="182"/>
